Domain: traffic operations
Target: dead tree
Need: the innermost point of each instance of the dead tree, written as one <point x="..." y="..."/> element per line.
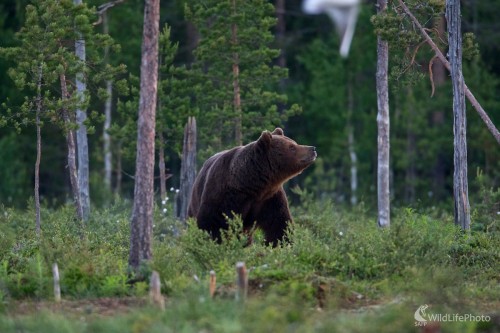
<point x="188" y="167"/>
<point x="82" y="147"/>
<point x="460" y="91"/>
<point x="383" y="123"/>
<point x="71" y="144"/>
<point x="460" y="185"/>
<point x="38" y="149"/>
<point x="475" y="104"/>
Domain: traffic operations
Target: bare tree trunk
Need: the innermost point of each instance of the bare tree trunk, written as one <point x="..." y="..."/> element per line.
<point x="70" y="141"/>
<point x="188" y="166"/>
<point x="236" y="84"/>
<point x="37" y="172"/>
<point x="354" y="165"/>
<point x="38" y="150"/>
<point x="161" y="148"/>
<point x="57" y="284"/>
<point x="484" y="116"/>
<point x="350" y="142"/>
<point x="108" y="157"/>
<point x="81" y="132"/>
<point x="108" y="154"/>
<point x="383" y="127"/>
<point x="142" y="212"/>
<point x="161" y="166"/>
<point x="460" y="185"/>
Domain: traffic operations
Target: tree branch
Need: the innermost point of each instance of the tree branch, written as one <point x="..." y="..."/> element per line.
<point x="103" y="8"/>
<point x="431" y="75"/>
<point x="484" y="116"/>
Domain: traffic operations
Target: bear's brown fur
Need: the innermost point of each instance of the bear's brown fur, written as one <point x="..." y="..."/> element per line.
<point x="248" y="181"/>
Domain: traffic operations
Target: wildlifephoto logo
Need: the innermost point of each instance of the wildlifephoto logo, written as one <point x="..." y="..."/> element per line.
<point x="422" y="317"/>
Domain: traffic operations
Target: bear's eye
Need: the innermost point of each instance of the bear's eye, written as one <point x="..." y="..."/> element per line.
<point x="292" y="148"/>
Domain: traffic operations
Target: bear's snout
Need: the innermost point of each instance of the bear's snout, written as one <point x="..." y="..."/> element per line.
<point x="309" y="154"/>
<point x="314" y="152"/>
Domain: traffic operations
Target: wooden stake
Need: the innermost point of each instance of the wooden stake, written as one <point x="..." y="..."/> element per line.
<point x="57" y="287"/>
<point x="241" y="281"/>
<point x="155" y="295"/>
<point x="213" y="283"/>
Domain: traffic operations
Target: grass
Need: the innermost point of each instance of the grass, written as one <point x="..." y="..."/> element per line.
<point x="340" y="273"/>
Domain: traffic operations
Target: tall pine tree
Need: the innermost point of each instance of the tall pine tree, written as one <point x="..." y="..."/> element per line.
<point x="45" y="62"/>
<point x="233" y="72"/>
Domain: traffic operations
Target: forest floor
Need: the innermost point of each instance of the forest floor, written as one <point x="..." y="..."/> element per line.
<point x="339" y="273"/>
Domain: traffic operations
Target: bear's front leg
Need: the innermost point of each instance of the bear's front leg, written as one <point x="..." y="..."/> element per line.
<point x="212" y="215"/>
<point x="273" y="217"/>
<point x="212" y="221"/>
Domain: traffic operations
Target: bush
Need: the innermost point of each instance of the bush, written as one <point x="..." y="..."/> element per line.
<point x="486" y="208"/>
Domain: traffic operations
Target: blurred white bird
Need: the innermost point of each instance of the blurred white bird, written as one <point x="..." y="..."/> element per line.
<point x="343" y="13"/>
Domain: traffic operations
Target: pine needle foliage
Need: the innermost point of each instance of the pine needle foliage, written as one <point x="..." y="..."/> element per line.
<point x="236" y="33"/>
<point x="46" y="50"/>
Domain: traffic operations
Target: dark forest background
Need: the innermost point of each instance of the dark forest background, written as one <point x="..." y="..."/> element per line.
<point x="335" y="95"/>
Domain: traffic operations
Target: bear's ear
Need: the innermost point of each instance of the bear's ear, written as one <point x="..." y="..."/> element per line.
<point x="265" y="139"/>
<point x="278" y="131"/>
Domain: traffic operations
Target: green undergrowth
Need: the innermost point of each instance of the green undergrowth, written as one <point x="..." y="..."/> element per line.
<point x="338" y="273"/>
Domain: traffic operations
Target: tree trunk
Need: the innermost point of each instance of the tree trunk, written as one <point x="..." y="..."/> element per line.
<point x="70" y="141"/>
<point x="460" y="186"/>
<point x="108" y="157"/>
<point x="383" y="127"/>
<point x="37" y="173"/>
<point x="236" y="84"/>
<point x="188" y="167"/>
<point x="81" y="132"/>
<point x="38" y="150"/>
<point x="142" y="212"/>
<point x="161" y="166"/>
<point x="354" y="165"/>
<point x="350" y="142"/>
<point x="472" y="99"/>
<point x="161" y="148"/>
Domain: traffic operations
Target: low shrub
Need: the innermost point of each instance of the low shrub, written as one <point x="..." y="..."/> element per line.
<point x="336" y="260"/>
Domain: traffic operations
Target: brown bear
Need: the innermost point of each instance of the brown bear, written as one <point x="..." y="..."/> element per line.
<point x="248" y="181"/>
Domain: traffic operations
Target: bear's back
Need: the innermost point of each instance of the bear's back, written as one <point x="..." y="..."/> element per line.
<point x="210" y="178"/>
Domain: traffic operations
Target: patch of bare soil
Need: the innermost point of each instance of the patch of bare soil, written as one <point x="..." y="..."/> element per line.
<point x="100" y="307"/>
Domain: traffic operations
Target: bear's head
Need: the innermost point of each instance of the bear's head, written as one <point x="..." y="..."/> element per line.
<point x="286" y="158"/>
